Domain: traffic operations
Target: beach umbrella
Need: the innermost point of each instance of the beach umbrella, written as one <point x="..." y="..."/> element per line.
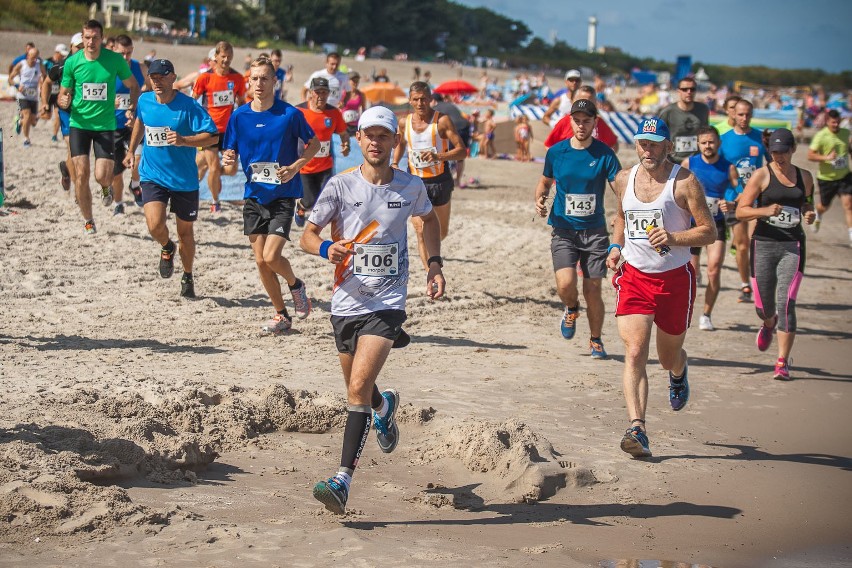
<point x="455" y="88"/>
<point x="383" y="93"/>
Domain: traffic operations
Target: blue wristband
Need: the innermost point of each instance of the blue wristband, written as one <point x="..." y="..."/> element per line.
<point x="613" y="246"/>
<point x="324" y="248"/>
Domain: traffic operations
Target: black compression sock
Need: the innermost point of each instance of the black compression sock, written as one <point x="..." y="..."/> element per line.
<point x="355" y="436"/>
<point x="295" y="286"/>
<point x="376" y="399"/>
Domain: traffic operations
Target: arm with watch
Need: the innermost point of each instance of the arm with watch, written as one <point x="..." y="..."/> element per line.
<point x="435" y="282"/>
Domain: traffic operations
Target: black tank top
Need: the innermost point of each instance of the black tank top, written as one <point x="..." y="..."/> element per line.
<point x="781" y="227"/>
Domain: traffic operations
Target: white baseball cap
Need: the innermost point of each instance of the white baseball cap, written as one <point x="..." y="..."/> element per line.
<point x="573" y="74"/>
<point x="62" y="49"/>
<point x="77" y="39"/>
<point x="378" y="116"/>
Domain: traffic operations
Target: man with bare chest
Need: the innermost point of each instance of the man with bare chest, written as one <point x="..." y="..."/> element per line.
<point x="655" y="283"/>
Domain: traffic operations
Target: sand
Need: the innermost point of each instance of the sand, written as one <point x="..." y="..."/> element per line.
<point x="139" y="429"/>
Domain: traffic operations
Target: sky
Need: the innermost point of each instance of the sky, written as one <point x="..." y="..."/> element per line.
<point x="786" y="34"/>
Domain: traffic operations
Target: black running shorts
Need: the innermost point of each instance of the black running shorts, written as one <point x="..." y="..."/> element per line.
<point x="384" y="323"/>
<point x="184" y="204"/>
<point x="81" y="142"/>
<point x="274" y="218"/>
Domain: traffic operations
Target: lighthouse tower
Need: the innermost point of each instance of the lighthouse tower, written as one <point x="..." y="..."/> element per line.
<point x="593" y="33"/>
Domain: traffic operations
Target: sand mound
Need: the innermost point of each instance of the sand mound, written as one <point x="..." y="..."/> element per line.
<point x="48" y="472"/>
<point x="518" y="464"/>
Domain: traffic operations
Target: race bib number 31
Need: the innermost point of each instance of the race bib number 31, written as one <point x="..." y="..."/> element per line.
<point x="265" y="172"/>
<point x="637" y="222"/>
<point x="580" y="204"/>
<point x="157" y="136"/>
<point x="94" y="91"/>
<point x="376" y="260"/>
<point x="788" y="218"/>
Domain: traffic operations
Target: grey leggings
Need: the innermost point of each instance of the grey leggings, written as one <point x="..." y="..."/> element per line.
<point x="777" y="268"/>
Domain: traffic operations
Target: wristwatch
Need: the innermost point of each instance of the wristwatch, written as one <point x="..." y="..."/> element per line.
<point x="437" y="259"/>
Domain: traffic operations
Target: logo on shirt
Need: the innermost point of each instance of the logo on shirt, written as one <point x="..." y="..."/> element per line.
<point x="327" y="122"/>
<point x="753" y="151"/>
<point x="592" y="165"/>
<point x="394" y="204"/>
<point x="358" y="204"/>
<point x="261" y="125"/>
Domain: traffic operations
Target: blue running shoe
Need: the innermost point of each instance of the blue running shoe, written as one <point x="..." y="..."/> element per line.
<point x="679" y="392"/>
<point x="333" y="494"/>
<point x="635" y="443"/>
<point x="299" y="217"/>
<point x="387" y="432"/>
<point x="597" y="349"/>
<point x="18" y="123"/>
<point x="568" y="324"/>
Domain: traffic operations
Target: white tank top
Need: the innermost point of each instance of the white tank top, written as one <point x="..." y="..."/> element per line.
<point x="29" y="81"/>
<point x="564" y="104"/>
<point x="429" y="139"/>
<point x="662" y="212"/>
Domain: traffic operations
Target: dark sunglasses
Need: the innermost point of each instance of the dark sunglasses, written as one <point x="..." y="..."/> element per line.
<point x="687" y="89"/>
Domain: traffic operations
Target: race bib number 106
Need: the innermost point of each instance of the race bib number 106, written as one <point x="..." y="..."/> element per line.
<point x="376" y="260"/>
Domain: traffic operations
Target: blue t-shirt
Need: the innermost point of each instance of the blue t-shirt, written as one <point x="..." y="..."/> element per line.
<point x="172" y="167"/>
<point x="280" y="74"/>
<point x="714" y="178"/>
<point x="745" y="151"/>
<point x="579" y="175"/>
<point x="120" y="89"/>
<point x="269" y="136"/>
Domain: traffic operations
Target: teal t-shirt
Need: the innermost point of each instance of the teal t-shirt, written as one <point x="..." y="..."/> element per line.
<point x="823" y="143"/>
<point x="93" y="86"/>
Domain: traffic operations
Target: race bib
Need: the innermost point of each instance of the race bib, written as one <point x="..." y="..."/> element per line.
<point x="788" y="218"/>
<point x="686" y="144"/>
<point x="840" y="162"/>
<point x="376" y="260"/>
<point x="580" y="204"/>
<point x="415" y="156"/>
<point x="30" y="92"/>
<point x="94" y="91"/>
<point x="334" y="94"/>
<point x="123" y="101"/>
<point x="745" y="169"/>
<point x="223" y="98"/>
<point x="156" y="136"/>
<point x="350" y="116"/>
<point x="638" y="221"/>
<point x="278" y="85"/>
<point x="324" y="150"/>
<point x="265" y="172"/>
<point x="54" y="89"/>
<point x="713" y="204"/>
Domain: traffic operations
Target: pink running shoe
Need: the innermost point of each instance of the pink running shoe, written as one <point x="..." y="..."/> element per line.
<point x="764" y="336"/>
<point x="782" y="370"/>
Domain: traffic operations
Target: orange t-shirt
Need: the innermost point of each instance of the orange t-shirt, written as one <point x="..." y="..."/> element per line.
<point x="220" y="93"/>
<point x="324" y="123"/>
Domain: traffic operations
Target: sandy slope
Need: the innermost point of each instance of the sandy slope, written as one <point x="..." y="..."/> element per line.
<point x="116" y="394"/>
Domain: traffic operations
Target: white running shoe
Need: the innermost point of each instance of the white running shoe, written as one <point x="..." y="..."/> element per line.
<point x="705" y="324"/>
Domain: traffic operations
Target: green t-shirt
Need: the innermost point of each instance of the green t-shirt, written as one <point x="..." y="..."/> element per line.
<point x="93" y="86"/>
<point x="722" y="126"/>
<point x="823" y="143"/>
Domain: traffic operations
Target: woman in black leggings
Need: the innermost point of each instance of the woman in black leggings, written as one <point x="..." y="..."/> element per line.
<point x="779" y="195"/>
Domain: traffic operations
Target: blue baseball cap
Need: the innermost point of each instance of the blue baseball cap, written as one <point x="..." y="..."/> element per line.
<point x="161" y="67"/>
<point x="653" y="129"/>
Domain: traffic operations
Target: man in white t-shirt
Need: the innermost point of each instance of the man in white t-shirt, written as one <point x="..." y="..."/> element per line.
<point x="338" y="81"/>
<point x="368" y="208"/>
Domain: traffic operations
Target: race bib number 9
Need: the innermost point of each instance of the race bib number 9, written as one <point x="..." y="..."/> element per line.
<point x="419" y="158"/>
<point x="123" y="100"/>
<point x="223" y="98"/>
<point x="156" y="136"/>
<point x="713" y="204"/>
<point x="788" y="218"/>
<point x="265" y="172"/>
<point x="686" y="144"/>
<point x="580" y="204"/>
<point x="840" y="163"/>
<point x="637" y="222"/>
<point x="324" y="150"/>
<point x="350" y="116"/>
<point x="376" y="260"/>
<point x="94" y="91"/>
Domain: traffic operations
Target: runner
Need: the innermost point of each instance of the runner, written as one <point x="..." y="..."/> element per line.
<point x="27" y="47"/>
<point x="49" y="107"/>
<point x="717" y="175"/>
<point x="89" y="77"/>
<point x="370" y="254"/>
<point x="563" y="102"/>
<point x="428" y="135"/>
<point x="830" y="148"/>
<point x="266" y="134"/>
<point x="684" y="118"/>
<point x="354" y="103"/>
<point x="656" y="283"/>
<point x="743" y="147"/>
<point x="731" y="111"/>
<point x="30" y="72"/>
<point x="783" y="195"/>
<point x="124" y="47"/>
<point x="222" y="89"/>
<point x="51" y="84"/>
<point x="563" y="131"/>
<point x="325" y="121"/>
<point x="282" y="77"/>
<point x="337" y="80"/>
<point x="169" y="125"/>
<point x="462" y="125"/>
<point x="581" y="167"/>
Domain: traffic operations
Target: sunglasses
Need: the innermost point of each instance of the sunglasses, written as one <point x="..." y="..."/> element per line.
<point x="686" y="89"/>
